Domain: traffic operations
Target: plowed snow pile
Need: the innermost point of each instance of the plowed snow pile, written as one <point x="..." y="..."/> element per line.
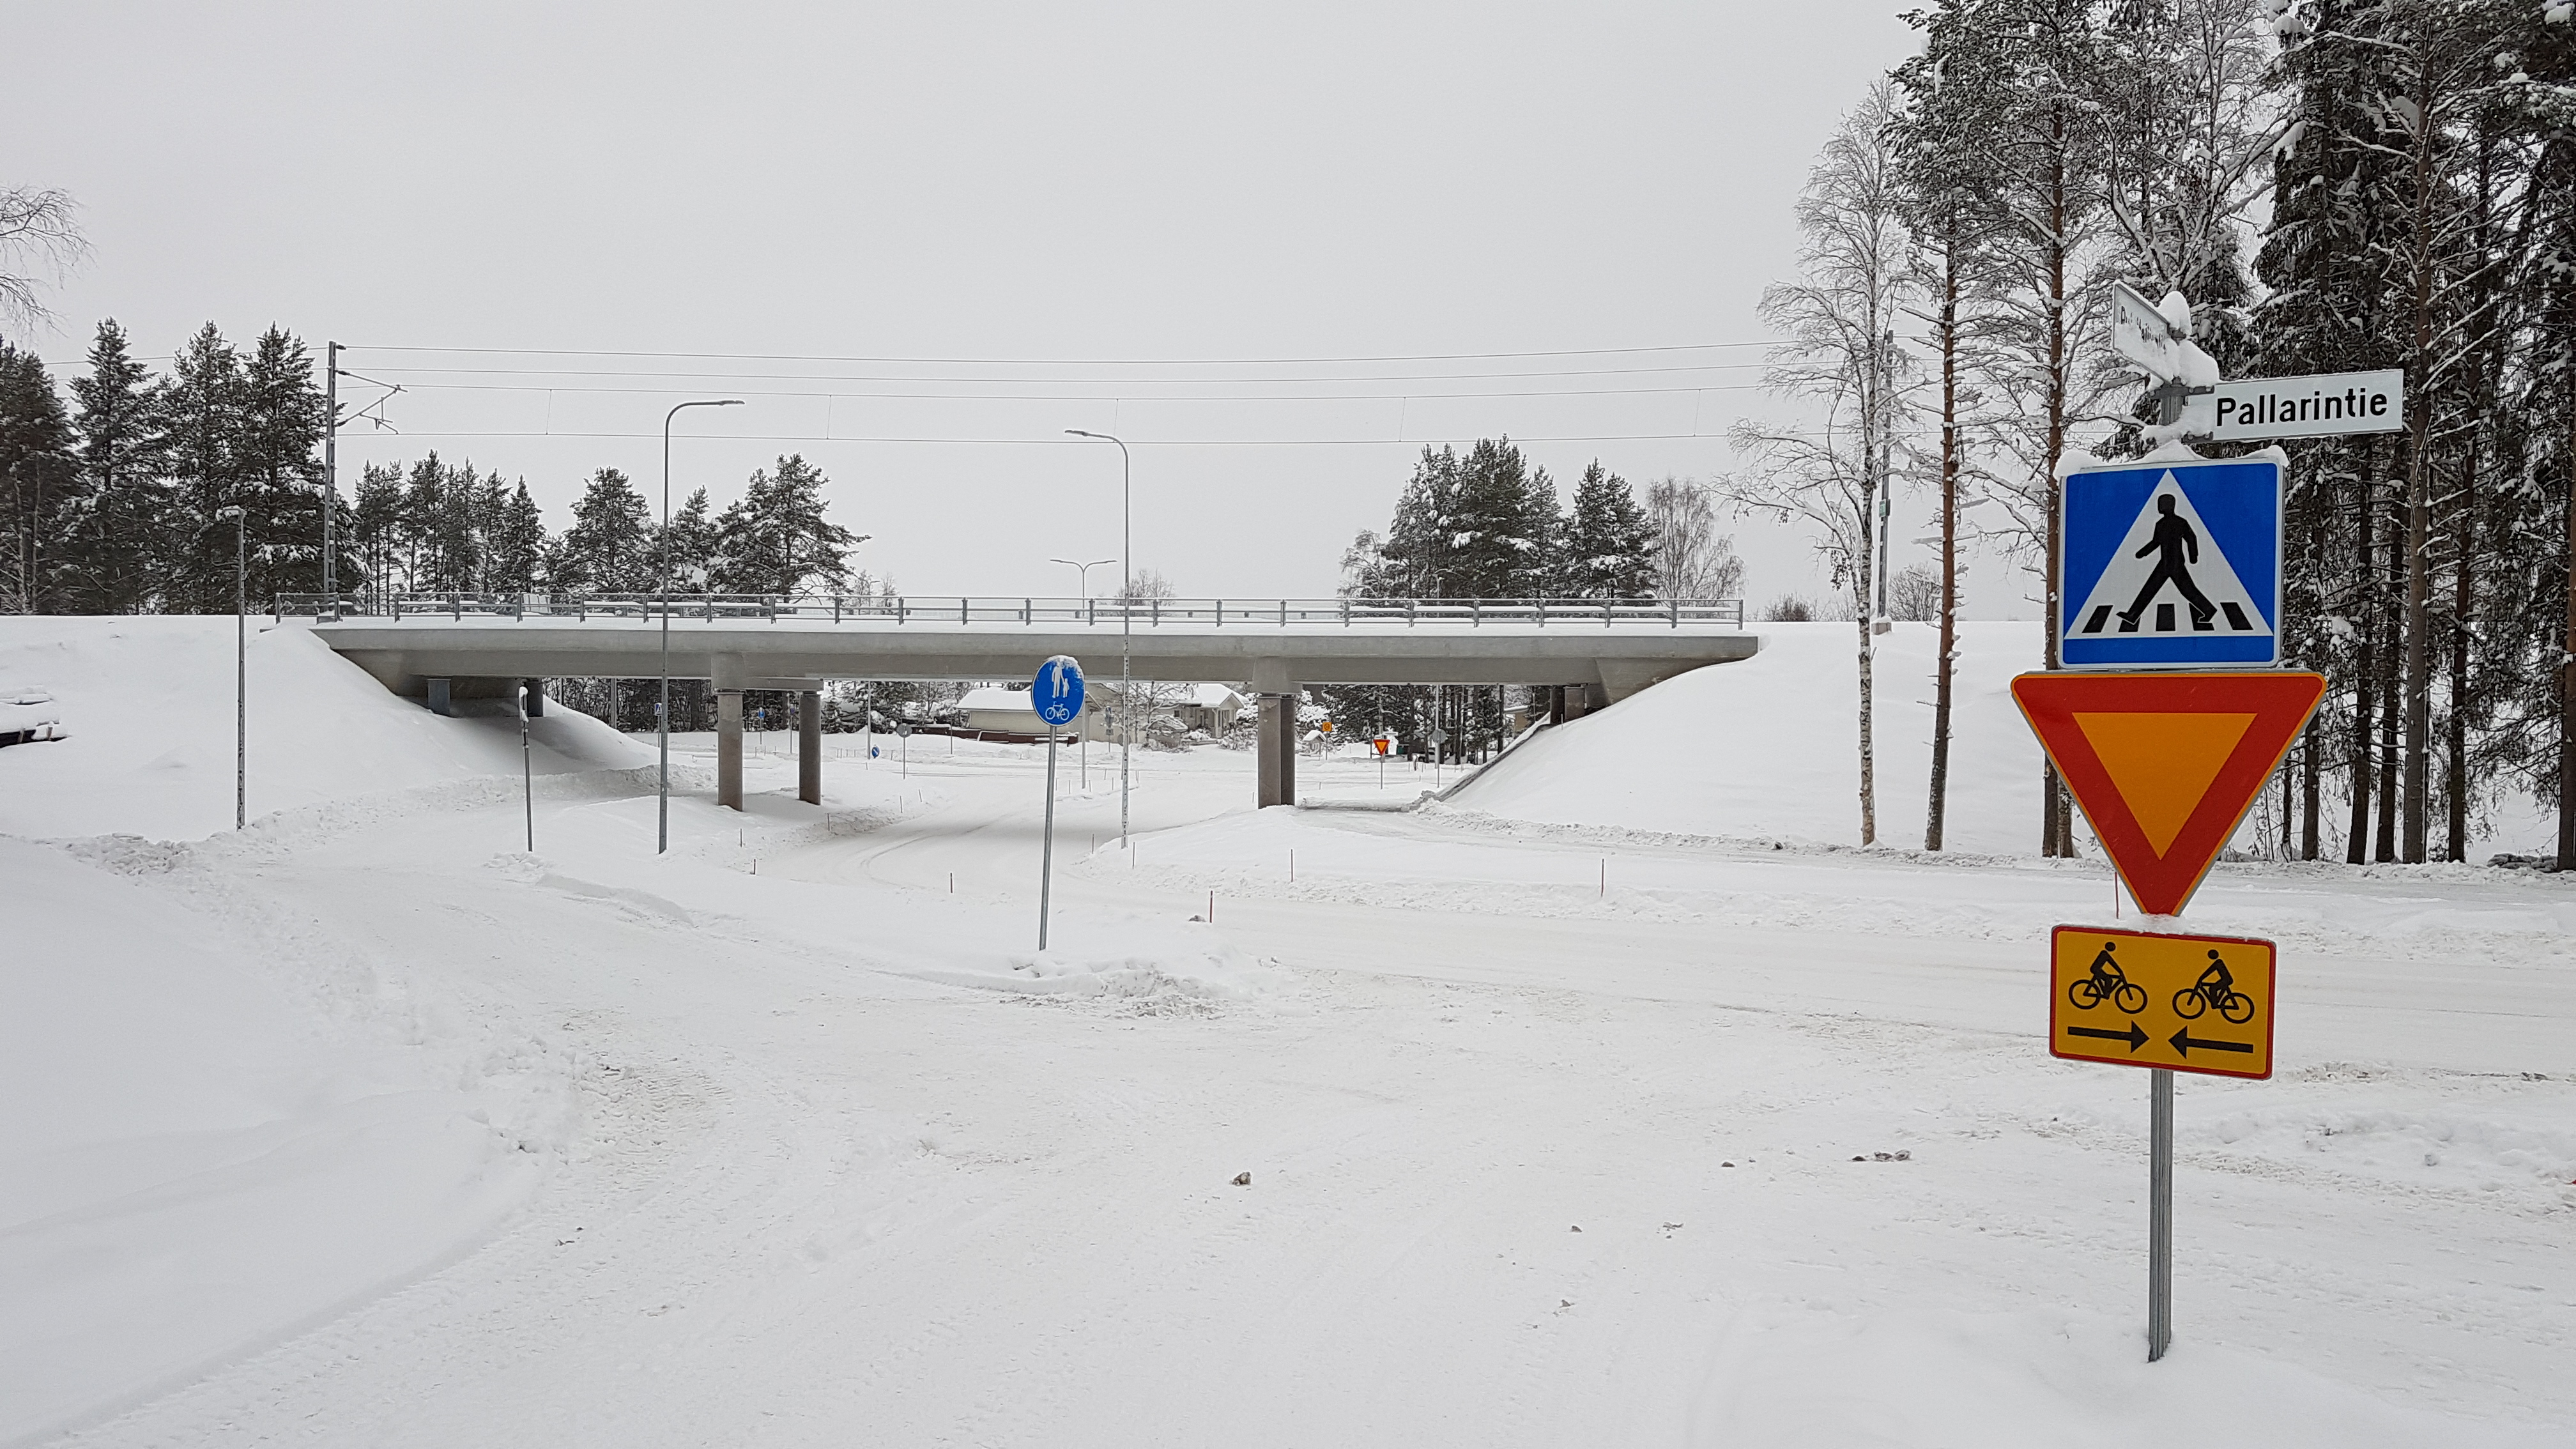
<point x="148" y="703"/>
<point x="1770" y="747"/>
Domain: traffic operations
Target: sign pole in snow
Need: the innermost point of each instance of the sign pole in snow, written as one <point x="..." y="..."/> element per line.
<point x="1056" y="694"/>
<point x="527" y="771"/>
<point x="2173" y="563"/>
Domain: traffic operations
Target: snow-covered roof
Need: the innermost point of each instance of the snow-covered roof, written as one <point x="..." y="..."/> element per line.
<point x="1214" y="696"/>
<point x="994" y="696"/>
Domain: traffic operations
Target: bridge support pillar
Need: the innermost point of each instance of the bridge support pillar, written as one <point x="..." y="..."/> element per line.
<point x="729" y="748"/>
<point x="1278" y="755"/>
<point x="809" y="746"/>
<point x="536" y="698"/>
<point x="438" y="696"/>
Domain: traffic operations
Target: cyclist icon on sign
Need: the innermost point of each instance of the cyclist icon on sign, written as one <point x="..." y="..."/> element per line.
<point x="2216" y="987"/>
<point x="2179" y="550"/>
<point x="2106" y="983"/>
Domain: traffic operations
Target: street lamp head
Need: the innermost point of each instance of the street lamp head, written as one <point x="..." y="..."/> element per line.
<point x="1080" y="433"/>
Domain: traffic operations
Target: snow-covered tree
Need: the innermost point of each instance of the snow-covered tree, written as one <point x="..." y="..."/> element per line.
<point x="1692" y="560"/>
<point x="609" y="548"/>
<point x="1843" y="365"/>
<point x="775" y="539"/>
<point x="1606" y="547"/>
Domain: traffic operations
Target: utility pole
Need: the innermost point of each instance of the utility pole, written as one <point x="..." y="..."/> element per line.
<point x="330" y="476"/>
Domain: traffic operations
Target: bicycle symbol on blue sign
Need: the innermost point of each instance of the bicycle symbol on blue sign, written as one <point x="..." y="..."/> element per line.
<point x="1057" y="693"/>
<point x="2172" y="564"/>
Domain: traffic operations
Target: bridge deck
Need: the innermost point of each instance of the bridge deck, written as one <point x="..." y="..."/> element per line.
<point x="1620" y="650"/>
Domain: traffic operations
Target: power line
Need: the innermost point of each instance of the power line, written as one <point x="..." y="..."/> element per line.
<point x="1094" y="397"/>
<point x="1068" y="381"/>
<point x="1059" y="442"/>
<point x="1067" y="361"/>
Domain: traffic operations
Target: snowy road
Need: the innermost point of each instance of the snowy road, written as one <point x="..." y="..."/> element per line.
<point x="822" y="1194"/>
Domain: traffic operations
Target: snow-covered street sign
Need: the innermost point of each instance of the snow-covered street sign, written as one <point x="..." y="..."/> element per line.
<point x="2327" y="404"/>
<point x="2143" y="334"/>
<point x="2172" y="564"/>
<point x="1057" y="692"/>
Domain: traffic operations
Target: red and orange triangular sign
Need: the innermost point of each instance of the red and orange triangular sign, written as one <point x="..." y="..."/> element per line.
<point x="2166" y="764"/>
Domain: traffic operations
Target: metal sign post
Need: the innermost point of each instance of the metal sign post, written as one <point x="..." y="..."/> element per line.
<point x="2173" y="566"/>
<point x="2159" y="1212"/>
<point x="1057" y="696"/>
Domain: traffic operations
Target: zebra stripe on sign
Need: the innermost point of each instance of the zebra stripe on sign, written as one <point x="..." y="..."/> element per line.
<point x="2168" y="576"/>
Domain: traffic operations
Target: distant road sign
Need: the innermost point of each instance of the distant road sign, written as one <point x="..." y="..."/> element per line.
<point x="2140" y="333"/>
<point x="2166" y="765"/>
<point x="2327" y="404"/>
<point x="2170" y="565"/>
<point x="2184" y="1003"/>
<point x="1057" y="693"/>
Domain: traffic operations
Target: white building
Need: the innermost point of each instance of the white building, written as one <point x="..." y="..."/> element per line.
<point x="1000" y="710"/>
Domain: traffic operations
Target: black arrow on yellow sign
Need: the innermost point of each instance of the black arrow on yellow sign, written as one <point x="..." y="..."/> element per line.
<point x="2135" y="1036"/>
<point x="2183" y="1041"/>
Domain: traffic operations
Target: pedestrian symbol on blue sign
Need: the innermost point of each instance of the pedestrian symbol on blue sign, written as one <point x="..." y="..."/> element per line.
<point x="2172" y="564"/>
<point x="1057" y="694"/>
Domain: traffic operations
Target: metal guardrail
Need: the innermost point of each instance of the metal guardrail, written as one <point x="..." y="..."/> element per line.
<point x="1086" y="613"/>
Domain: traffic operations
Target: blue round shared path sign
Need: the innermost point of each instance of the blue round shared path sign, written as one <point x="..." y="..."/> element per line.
<point x="1057" y="694"/>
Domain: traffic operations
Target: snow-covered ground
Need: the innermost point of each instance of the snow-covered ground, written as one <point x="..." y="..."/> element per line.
<point x="1606" y="1102"/>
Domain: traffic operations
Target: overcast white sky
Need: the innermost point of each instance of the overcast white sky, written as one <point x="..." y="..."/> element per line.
<point x="1044" y="186"/>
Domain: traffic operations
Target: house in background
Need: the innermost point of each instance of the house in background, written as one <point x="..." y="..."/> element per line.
<point x="998" y="709"/>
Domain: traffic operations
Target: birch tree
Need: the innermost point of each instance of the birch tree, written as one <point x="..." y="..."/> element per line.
<point x="1843" y="369"/>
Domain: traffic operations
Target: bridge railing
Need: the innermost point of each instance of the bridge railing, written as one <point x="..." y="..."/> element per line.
<point x="1029" y="610"/>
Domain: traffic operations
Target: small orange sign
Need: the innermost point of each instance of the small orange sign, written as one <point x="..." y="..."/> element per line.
<point x="2184" y="1003"/>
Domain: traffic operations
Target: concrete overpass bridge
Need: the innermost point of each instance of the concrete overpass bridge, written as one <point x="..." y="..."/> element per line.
<point x="1597" y="652"/>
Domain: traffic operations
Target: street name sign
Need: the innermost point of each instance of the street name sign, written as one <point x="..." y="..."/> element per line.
<point x="1057" y="693"/>
<point x="2171" y="564"/>
<point x="2165" y="765"/>
<point x="2327" y="404"/>
<point x="2141" y="333"/>
<point x="2184" y="1003"/>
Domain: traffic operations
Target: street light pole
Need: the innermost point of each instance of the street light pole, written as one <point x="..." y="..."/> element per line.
<point x="663" y="714"/>
<point x="1085" y="568"/>
<point x="1126" y="613"/>
<point x="1082" y="734"/>
<point x="241" y="666"/>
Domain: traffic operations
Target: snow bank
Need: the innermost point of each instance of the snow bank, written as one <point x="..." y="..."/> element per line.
<point x="148" y="703"/>
<point x="195" y="1157"/>
<point x="1769" y="747"/>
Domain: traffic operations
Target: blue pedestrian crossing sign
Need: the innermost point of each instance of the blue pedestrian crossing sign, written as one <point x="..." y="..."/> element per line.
<point x="2173" y="564"/>
<point x="1057" y="694"/>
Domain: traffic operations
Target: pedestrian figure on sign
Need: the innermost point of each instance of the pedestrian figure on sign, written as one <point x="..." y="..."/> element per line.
<point x="2179" y="548"/>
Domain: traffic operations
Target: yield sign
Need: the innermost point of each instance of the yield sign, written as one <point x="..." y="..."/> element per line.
<point x="2165" y="765"/>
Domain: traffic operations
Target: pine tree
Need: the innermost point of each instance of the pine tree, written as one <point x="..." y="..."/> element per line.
<point x="1504" y="522"/>
<point x="277" y="453"/>
<point x="687" y="548"/>
<point x="37" y="476"/>
<point x="608" y="549"/>
<point x="119" y="539"/>
<point x="378" y="531"/>
<point x="201" y="416"/>
<point x="1607" y="549"/>
<point x="775" y="539"/>
<point x="515" y="550"/>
